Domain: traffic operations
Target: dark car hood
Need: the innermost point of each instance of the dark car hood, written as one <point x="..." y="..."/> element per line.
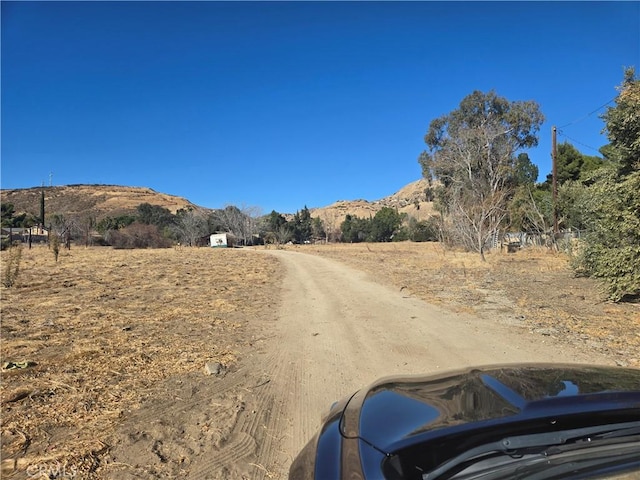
<point x="393" y="410"/>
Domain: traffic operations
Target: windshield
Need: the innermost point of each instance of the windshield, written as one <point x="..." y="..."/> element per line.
<point x="592" y="452"/>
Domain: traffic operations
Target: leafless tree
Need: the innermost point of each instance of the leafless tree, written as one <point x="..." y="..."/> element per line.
<point x="474" y="221"/>
<point x="283" y="234"/>
<point x="67" y="228"/>
<point x="537" y="221"/>
<point x="191" y="225"/>
<point x="241" y="222"/>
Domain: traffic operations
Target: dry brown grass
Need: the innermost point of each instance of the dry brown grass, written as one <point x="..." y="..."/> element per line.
<point x="103" y="326"/>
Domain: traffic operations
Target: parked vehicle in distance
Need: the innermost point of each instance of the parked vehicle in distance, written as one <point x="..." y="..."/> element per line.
<point x="532" y="421"/>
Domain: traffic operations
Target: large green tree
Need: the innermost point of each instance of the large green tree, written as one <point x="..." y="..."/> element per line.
<point x="302" y="228"/>
<point x="155" y="215"/>
<point x="274" y="228"/>
<point x="318" y="230"/>
<point x="472" y="153"/>
<point x="385" y="224"/>
<point x="572" y="165"/>
<point x="41" y="219"/>
<point x="274" y="221"/>
<point x="623" y="126"/>
<point x="10" y="219"/>
<point x="611" y="205"/>
<point x="531" y="211"/>
<point x="354" y="229"/>
<point x="525" y="172"/>
<point x="114" y="223"/>
<point x="8" y="211"/>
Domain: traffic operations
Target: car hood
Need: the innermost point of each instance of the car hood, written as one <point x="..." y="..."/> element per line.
<point x="393" y="410"/>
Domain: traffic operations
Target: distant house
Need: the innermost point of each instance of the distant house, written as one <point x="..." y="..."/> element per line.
<point x="222" y="240"/>
<point x="20" y="234"/>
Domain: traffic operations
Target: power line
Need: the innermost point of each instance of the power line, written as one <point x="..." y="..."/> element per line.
<point x="560" y="132"/>
<point x="589" y="114"/>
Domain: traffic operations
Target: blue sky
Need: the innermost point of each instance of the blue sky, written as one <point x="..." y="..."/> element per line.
<point x="285" y="104"/>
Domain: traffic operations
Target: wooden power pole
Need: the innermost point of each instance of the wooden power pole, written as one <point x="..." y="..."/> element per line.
<point x="554" y="175"/>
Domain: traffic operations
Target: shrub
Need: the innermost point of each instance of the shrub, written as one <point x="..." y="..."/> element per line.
<point x="12" y="268"/>
<point x="55" y="245"/>
<point x="425" y="230"/>
<point x="611" y="206"/>
<point x="138" y="235"/>
<point x="611" y="248"/>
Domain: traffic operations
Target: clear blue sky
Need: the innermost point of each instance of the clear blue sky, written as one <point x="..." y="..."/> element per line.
<point x="286" y="104"/>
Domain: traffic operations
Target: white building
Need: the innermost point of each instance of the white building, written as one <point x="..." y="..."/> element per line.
<point x="221" y="240"/>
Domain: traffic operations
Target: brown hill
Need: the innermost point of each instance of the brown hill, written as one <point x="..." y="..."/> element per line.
<point x="100" y="201"/>
<point x="97" y="200"/>
<point x="411" y="199"/>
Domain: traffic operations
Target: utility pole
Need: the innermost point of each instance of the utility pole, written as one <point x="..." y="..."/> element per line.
<point x="554" y="175"/>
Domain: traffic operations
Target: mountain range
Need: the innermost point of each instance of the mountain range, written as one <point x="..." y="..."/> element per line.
<point x="112" y="200"/>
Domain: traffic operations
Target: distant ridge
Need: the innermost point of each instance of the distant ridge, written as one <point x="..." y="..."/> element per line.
<point x="410" y="199"/>
<point x="98" y="200"/>
<point x="101" y="201"/>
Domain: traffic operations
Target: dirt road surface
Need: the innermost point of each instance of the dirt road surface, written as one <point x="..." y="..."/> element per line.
<point x="336" y="330"/>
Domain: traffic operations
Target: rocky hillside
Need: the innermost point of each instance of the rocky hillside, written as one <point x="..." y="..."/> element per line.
<point x="411" y="199"/>
<point x="99" y="200"/>
<point x="112" y="200"/>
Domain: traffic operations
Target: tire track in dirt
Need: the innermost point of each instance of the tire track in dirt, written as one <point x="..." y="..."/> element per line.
<point x="255" y="442"/>
<point x="263" y="410"/>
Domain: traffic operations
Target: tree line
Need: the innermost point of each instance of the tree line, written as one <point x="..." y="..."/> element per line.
<point x="156" y="226"/>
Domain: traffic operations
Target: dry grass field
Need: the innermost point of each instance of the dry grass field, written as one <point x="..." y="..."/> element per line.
<point x="101" y="327"/>
<point x="97" y="330"/>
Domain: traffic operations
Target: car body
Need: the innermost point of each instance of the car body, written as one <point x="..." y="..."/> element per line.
<point x="494" y="422"/>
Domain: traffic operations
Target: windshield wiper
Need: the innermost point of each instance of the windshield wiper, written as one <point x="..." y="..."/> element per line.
<point x="515" y="445"/>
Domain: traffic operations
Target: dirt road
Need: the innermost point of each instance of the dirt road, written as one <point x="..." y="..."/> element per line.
<point x="336" y="330"/>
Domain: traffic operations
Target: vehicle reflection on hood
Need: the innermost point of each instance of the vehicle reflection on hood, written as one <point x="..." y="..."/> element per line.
<point x="485" y="418"/>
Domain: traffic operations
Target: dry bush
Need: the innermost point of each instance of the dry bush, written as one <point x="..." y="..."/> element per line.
<point x="138" y="235"/>
<point x="11" y="266"/>
<point x="55" y="245"/>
